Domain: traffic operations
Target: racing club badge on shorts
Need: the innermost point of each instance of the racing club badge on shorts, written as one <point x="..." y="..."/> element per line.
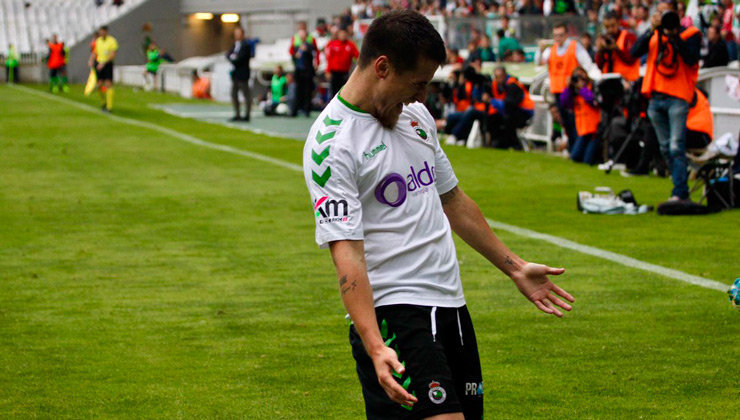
<point x="437" y="394"/>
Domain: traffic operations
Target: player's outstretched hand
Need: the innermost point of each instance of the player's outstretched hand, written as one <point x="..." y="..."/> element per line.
<point x="386" y="362"/>
<point x="532" y="281"/>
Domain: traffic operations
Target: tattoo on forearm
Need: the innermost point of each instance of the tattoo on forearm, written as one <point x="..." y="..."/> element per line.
<point x="508" y="261"/>
<point x="347" y="287"/>
<point x="448" y="196"/>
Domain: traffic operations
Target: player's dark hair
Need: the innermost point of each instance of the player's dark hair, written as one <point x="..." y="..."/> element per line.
<point x="403" y="36"/>
<point x="104" y="28"/>
<point x="560" y="25"/>
<point x="611" y="15"/>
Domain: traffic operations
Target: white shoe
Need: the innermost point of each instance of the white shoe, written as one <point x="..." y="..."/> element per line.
<point x="451" y="140"/>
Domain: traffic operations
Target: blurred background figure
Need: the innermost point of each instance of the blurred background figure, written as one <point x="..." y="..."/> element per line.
<point x="102" y="58"/>
<point x="153" y="60"/>
<point x="304" y="52"/>
<point x="239" y="56"/>
<point x="340" y="55"/>
<point x="11" y="65"/>
<point x="55" y="62"/>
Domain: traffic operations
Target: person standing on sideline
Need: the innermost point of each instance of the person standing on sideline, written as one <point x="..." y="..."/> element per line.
<point x="153" y="60"/>
<point x="340" y="53"/>
<point x="670" y="81"/>
<point x="56" y="63"/>
<point x="386" y="200"/>
<point x="561" y="59"/>
<point x="11" y="65"/>
<point x="101" y="60"/>
<point x="304" y="61"/>
<point x="239" y="56"/>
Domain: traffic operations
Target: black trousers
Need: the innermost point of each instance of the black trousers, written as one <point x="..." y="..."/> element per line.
<point x="14" y="70"/>
<point x="304" y="92"/>
<point x="243" y="87"/>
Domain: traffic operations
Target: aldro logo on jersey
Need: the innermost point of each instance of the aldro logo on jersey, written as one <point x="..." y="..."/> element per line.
<point x="329" y="210"/>
<point x="395" y="188"/>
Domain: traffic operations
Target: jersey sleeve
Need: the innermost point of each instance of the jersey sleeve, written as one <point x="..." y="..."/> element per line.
<point x="446" y="179"/>
<point x="445" y="175"/>
<point x="330" y="172"/>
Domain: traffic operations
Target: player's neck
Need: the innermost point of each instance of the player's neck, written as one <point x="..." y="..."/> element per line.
<point x="358" y="91"/>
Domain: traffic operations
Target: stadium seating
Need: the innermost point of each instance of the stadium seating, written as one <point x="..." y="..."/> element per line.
<point x="27" y="23"/>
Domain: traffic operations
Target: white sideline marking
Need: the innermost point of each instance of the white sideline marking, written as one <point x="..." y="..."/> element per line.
<point x="164" y="130"/>
<point x="555" y="240"/>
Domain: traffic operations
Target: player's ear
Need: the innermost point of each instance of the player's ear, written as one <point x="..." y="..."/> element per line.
<point x="382" y="67"/>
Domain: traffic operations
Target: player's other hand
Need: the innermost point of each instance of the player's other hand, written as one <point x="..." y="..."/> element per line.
<point x="533" y="282"/>
<point x="386" y="362"/>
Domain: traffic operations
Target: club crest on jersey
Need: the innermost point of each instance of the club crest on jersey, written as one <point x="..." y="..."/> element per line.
<point x="419" y="131"/>
<point x="437" y="394"/>
<point x="328" y="210"/>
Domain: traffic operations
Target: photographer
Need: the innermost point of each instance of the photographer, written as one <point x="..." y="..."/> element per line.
<point x="613" y="50"/>
<point x="561" y="59"/>
<point x="670" y="79"/>
<point x="579" y="96"/>
<point x="514" y="108"/>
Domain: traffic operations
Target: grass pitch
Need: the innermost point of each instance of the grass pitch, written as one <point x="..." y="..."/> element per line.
<point x="144" y="277"/>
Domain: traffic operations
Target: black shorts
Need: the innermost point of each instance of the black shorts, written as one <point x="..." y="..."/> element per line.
<point x="57" y="71"/>
<point x="438" y="347"/>
<point x="106" y="73"/>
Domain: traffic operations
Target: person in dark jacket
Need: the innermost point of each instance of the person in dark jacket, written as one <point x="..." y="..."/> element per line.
<point x="305" y="70"/>
<point x="717" y="55"/>
<point x="239" y="56"/>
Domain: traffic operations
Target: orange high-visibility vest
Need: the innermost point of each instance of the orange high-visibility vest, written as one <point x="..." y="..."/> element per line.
<point x="481" y="106"/>
<point x="561" y="67"/>
<point x="630" y="72"/>
<point x="461" y="104"/>
<point x="700" y="116"/>
<point x="587" y="116"/>
<point x="527" y="103"/>
<point x="56" y="55"/>
<point x="679" y="82"/>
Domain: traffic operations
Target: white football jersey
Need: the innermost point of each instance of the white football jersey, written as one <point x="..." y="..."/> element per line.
<point x="382" y="186"/>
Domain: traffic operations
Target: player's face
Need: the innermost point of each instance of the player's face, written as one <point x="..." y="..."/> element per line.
<point x="397" y="89"/>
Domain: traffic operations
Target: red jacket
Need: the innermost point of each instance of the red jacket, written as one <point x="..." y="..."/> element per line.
<point x="339" y="55"/>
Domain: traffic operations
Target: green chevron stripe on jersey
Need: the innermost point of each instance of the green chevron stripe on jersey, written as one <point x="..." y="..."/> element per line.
<point x="328" y="121"/>
<point x="321" y="179"/>
<point x="319" y="157"/>
<point x="320" y="138"/>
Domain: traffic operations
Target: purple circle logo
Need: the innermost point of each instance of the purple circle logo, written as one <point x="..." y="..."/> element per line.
<point x="391" y="190"/>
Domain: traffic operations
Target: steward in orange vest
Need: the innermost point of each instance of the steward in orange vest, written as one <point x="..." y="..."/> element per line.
<point x="670" y="82"/>
<point x="613" y="50"/>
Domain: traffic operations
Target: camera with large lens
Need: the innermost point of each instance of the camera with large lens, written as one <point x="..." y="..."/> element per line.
<point x="670" y="20"/>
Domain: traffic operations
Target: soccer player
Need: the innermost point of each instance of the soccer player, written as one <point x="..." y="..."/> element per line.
<point x="56" y="63"/>
<point x="102" y="61"/>
<point x="386" y="200"/>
